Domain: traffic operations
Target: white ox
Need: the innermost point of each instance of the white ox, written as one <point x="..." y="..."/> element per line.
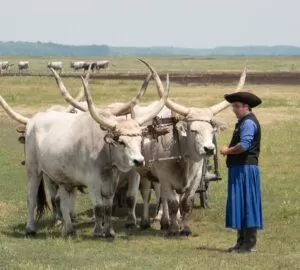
<point x="77" y="65"/>
<point x="102" y="65"/>
<point x="76" y="151"/>
<point x="5" y="66"/>
<point x="116" y="109"/>
<point x="23" y="65"/>
<point x="195" y="140"/>
<point x="130" y="179"/>
<point x="58" y="66"/>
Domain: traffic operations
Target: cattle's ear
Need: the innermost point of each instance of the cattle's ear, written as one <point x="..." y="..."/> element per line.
<point x="109" y="138"/>
<point x="181" y="127"/>
<point x="219" y="126"/>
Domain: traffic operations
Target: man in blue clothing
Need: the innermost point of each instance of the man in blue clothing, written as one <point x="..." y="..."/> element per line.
<point x="244" y="207"/>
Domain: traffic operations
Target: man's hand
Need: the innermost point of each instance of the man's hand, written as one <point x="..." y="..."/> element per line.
<point x="235" y="150"/>
<point x="224" y="150"/>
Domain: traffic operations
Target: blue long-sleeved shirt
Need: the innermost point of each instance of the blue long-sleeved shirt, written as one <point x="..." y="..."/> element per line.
<point x="247" y="132"/>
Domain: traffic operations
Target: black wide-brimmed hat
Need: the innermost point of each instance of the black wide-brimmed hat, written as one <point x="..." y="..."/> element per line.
<point x="244" y="97"/>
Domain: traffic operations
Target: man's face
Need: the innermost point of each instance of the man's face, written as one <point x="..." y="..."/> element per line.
<point x="240" y="109"/>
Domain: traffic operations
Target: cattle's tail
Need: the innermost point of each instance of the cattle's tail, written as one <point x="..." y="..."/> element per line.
<point x="42" y="204"/>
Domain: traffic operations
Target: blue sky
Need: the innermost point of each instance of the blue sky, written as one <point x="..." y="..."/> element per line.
<point x="182" y="23"/>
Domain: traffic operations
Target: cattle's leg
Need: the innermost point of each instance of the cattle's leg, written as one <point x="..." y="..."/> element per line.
<point x="186" y="209"/>
<point x="106" y="209"/>
<point x="102" y="198"/>
<point x="169" y="195"/>
<point x="187" y="202"/>
<point x="65" y="201"/>
<point x="72" y="204"/>
<point x="132" y="191"/>
<point x="107" y="194"/>
<point x="165" y="218"/>
<point x="95" y="193"/>
<point x="53" y="189"/>
<point x="103" y="224"/>
<point x="146" y="195"/>
<point x="159" y="205"/>
<point x="57" y="204"/>
<point x="33" y="184"/>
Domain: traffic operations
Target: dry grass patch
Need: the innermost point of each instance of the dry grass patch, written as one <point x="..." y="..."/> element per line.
<point x="6" y="208"/>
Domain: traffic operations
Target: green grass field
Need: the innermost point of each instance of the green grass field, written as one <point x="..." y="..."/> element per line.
<point x="172" y="64"/>
<point x="279" y="242"/>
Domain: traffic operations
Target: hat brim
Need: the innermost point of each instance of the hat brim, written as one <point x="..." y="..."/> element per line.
<point x="244" y="97"/>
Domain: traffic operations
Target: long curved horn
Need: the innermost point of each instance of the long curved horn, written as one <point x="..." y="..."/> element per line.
<point x="104" y="121"/>
<point x="65" y="92"/>
<point x="80" y="95"/>
<point x="145" y="118"/>
<point x="129" y="105"/>
<point x="180" y="109"/>
<point x="16" y="116"/>
<point x="224" y="104"/>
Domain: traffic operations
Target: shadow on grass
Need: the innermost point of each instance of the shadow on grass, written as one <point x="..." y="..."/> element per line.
<point x="47" y="229"/>
<point x="206" y="248"/>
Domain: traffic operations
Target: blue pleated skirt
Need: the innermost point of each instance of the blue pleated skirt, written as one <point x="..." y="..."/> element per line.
<point x="244" y="205"/>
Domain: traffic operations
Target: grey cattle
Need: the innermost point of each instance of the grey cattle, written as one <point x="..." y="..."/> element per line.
<point x="76" y="151"/>
<point x="77" y="65"/>
<point x="58" y="66"/>
<point x="5" y="66"/>
<point x="130" y="179"/>
<point x="190" y="140"/>
<point x="23" y="65"/>
<point x="116" y="108"/>
<point x="102" y="65"/>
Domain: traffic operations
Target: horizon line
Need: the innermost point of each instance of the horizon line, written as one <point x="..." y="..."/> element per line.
<point x="148" y="46"/>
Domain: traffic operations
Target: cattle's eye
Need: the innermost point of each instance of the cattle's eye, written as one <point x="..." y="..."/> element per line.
<point x="122" y="143"/>
<point x="194" y="131"/>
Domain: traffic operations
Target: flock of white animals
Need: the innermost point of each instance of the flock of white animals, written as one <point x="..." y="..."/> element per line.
<point x="5" y="66"/>
<point x="58" y="66"/>
<point x="107" y="148"/>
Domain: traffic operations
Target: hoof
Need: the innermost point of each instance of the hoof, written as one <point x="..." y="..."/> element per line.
<point x="164" y="226"/>
<point x="130" y="225"/>
<point x="57" y="223"/>
<point x="30" y="233"/>
<point x="110" y="234"/>
<point x="145" y="224"/>
<point x="105" y="234"/>
<point x="73" y="218"/>
<point x="173" y="233"/>
<point x="186" y="232"/>
<point x="69" y="234"/>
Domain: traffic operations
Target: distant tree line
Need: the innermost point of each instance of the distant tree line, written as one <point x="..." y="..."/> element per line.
<point x="53" y="49"/>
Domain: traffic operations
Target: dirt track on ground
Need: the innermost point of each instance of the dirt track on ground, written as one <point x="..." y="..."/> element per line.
<point x="285" y="78"/>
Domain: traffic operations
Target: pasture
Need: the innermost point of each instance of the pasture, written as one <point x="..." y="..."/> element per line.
<point x="278" y="244"/>
<point x="169" y="64"/>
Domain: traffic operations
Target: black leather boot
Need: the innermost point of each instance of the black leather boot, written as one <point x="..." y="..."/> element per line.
<point x="249" y="244"/>
<point x="239" y="241"/>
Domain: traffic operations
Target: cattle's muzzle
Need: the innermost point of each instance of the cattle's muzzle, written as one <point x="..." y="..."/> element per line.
<point x="209" y="151"/>
<point x="139" y="162"/>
